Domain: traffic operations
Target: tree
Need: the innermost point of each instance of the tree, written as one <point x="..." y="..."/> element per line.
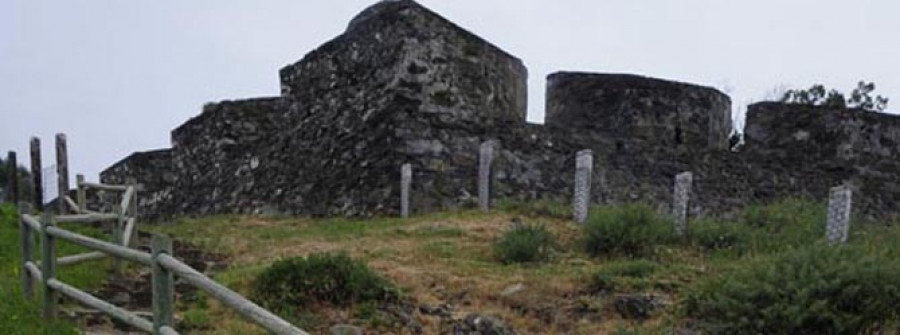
<point x="25" y="186"/>
<point x="818" y="95"/>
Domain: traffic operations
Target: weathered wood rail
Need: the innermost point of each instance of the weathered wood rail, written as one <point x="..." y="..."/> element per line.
<point x="165" y="267"/>
<point x="161" y="261"/>
<point x="124" y="221"/>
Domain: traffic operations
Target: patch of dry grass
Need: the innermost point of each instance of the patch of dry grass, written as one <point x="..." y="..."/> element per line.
<point x="435" y="259"/>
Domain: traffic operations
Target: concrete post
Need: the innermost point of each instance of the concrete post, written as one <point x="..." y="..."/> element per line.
<point x="62" y="172"/>
<point x="37" y="178"/>
<point x="839" y="210"/>
<point x="485" y="175"/>
<point x="82" y="192"/>
<point x="581" y="201"/>
<point x="681" y="200"/>
<point x="405" y="184"/>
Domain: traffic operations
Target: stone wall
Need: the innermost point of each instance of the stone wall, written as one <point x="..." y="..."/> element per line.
<point x="649" y="113"/>
<point x="152" y="170"/>
<point x="806" y="150"/>
<point x="215" y="154"/>
<point x="404" y="85"/>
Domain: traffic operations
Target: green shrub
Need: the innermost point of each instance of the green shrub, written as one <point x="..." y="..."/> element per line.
<point x="818" y="289"/>
<point x="633" y="269"/>
<point x="713" y="235"/>
<point x="788" y="215"/>
<point x="524" y="244"/>
<point x="779" y="226"/>
<point x="330" y="278"/>
<point x="610" y="277"/>
<point x="629" y="230"/>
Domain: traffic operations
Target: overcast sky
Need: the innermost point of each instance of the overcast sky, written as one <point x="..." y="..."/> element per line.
<point x="116" y="76"/>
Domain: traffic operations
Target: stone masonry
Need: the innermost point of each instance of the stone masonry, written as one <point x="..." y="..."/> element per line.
<point x="403" y="85"/>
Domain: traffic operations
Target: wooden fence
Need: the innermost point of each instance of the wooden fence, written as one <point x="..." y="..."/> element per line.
<point x="164" y="266"/>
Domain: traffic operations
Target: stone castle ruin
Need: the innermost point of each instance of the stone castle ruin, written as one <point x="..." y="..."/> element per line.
<point x="404" y="85"/>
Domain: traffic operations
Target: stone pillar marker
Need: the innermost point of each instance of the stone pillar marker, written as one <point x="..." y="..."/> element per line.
<point x="840" y="204"/>
<point x="405" y="184"/>
<point x="485" y="161"/>
<point x="12" y="179"/>
<point x="82" y="193"/>
<point x="36" y="174"/>
<point x="680" y="201"/>
<point x="581" y="201"/>
<point x="62" y="172"/>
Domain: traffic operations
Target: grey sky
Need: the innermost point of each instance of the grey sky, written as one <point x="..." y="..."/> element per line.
<point x="117" y="76"/>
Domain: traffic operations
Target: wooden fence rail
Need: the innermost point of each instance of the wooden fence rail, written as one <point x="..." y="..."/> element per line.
<point x="163" y="264"/>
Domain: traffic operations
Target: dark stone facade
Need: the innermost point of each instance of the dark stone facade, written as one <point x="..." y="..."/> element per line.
<point x="805" y="150"/>
<point x="152" y="170"/>
<point x="404" y="85"/>
<point x="647" y="113"/>
<point x="215" y="155"/>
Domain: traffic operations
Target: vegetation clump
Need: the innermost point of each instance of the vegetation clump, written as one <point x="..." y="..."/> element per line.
<point x="611" y="276"/>
<point x="818" y="289"/>
<point x="321" y="278"/>
<point x="629" y="230"/>
<point x="786" y="224"/>
<point x="817" y="95"/>
<point x="524" y="244"/>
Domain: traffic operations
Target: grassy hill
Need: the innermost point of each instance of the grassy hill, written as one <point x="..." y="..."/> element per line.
<point x="765" y="269"/>
<point x="633" y="276"/>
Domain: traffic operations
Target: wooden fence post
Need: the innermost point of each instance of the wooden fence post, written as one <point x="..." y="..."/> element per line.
<point x="27" y="243"/>
<point x="132" y="210"/>
<point x="163" y="285"/>
<point x="12" y="180"/>
<point x="37" y="178"/>
<point x="405" y="184"/>
<point x="82" y="193"/>
<point x="48" y="266"/>
<point x="62" y="172"/>
<point x="118" y="238"/>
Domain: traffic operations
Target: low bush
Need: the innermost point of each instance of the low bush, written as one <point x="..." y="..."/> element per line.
<point x="787" y="216"/>
<point x="611" y="277"/>
<point x="710" y="235"/>
<point x="629" y="230"/>
<point x="818" y="289"/>
<point x="524" y="244"/>
<point x="633" y="269"/>
<point x="772" y="228"/>
<point x="322" y="278"/>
